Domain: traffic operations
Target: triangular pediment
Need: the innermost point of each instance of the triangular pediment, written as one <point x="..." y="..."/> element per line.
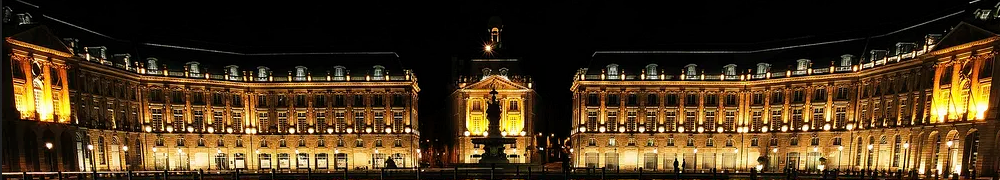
<point x="961" y="34"/>
<point x="495" y="82"/>
<point x="42" y="36"/>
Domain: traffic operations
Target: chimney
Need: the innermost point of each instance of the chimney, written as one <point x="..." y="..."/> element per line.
<point x="905" y="47"/>
<point x="74" y="45"/>
<point x="846" y="60"/>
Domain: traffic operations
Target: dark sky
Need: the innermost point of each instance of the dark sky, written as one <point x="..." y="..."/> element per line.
<point x="554" y="37"/>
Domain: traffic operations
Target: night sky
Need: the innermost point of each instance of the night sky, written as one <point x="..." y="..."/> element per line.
<point x="554" y="38"/>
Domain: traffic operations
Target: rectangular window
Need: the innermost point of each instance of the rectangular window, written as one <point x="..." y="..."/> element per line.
<point x="612" y="100"/>
<point x="631" y="124"/>
<point x="218" y="122"/>
<point x="670" y="119"/>
<point x="650" y="120"/>
<point x="691" y="100"/>
<point x="341" y="121"/>
<point x="651" y="100"/>
<point x="632" y="100"/>
<point x="338" y="101"/>
<point x="841" y="117"/>
<point x="711" y="100"/>
<point x="178" y="119"/>
<point x="757" y="120"/>
<point x="379" y="121"/>
<point x="359" y="100"/>
<point x="157" y="119"/>
<point x="819" y="95"/>
<point x="730" y="120"/>
<point x="776" y="121"/>
<point x="397" y="121"/>
<point x="612" y="120"/>
<point x="300" y="121"/>
<point x="798" y="96"/>
<point x="321" y="124"/>
<point x="359" y="121"/>
<point x="593" y="100"/>
<point x="797" y="120"/>
<point x="262" y="121"/>
<point x="690" y="119"/>
<point x="671" y="100"/>
<point x="818" y="118"/>
<point x="282" y="122"/>
<point x="758" y="99"/>
<point x="776" y="98"/>
<point x="198" y="120"/>
<point x="731" y="100"/>
<point x="709" y="122"/>
<point x="591" y="120"/>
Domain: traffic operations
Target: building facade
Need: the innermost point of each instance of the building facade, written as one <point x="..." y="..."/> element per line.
<point x="474" y="79"/>
<point x="927" y="108"/>
<point x="82" y="109"/>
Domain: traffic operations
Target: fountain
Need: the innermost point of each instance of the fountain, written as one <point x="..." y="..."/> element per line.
<point x="493" y="143"/>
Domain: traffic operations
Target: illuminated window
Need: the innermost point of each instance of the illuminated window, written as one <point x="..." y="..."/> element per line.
<point x="651" y="71"/>
<point x="612" y="71"/>
<point x="378" y="73"/>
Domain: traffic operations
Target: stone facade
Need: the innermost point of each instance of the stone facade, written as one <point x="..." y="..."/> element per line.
<point x="890" y="112"/>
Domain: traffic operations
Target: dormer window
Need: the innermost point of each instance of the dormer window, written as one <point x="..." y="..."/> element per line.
<point x="300" y="73"/>
<point x="612" y="71"/>
<point x="729" y="69"/>
<point x="845" y="60"/>
<point x="763" y="68"/>
<point x="262" y="73"/>
<point x="338" y="72"/>
<point x="691" y="69"/>
<point x="486" y="72"/>
<point x="193" y="69"/>
<point x="233" y="71"/>
<point x="803" y="64"/>
<point x="24" y="18"/>
<point x="503" y="71"/>
<point x="651" y="71"/>
<point x="152" y="66"/>
<point x="378" y="74"/>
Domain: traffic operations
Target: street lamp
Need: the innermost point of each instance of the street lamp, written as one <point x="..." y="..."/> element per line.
<point x="52" y="161"/>
<point x="840" y="150"/>
<point x="93" y="163"/>
<point x="906" y="152"/>
<point x="870" y="147"/>
<point x="125" y="149"/>
<point x="948" y="160"/>
<point x="695" y="159"/>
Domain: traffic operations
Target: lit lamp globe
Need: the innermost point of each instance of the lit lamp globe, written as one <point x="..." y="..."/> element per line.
<point x="211" y="129"/>
<point x="850" y="127"/>
<point x="680" y="129"/>
<point x="466" y="133"/>
<point x="826" y="127"/>
<point x="488" y="48"/>
<point x="350" y="130"/>
<point x="602" y="129"/>
<point x="784" y="128"/>
<point x="660" y="129"/>
<point x="486" y="133"/>
<point x="124" y="148"/>
<point x="388" y="130"/>
<point x="229" y="130"/>
<point x="368" y="130"/>
<point x="48" y="145"/>
<point x="291" y="130"/>
<point x="524" y="133"/>
<point x="582" y="129"/>
<point x="408" y="130"/>
<point x="311" y="130"/>
<point x="621" y="128"/>
<point x="190" y="129"/>
<point x="329" y="130"/>
<point x="719" y="129"/>
<point x="701" y="129"/>
<point x="149" y="129"/>
<point x="805" y="127"/>
<point x="642" y="129"/>
<point x="503" y="133"/>
<point x="170" y="129"/>
<point x="763" y="129"/>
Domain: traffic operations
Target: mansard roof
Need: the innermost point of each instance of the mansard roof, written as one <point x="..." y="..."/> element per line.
<point x="965" y="32"/>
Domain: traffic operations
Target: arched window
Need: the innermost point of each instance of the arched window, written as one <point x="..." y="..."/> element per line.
<point x="651" y="71"/>
<point x="612" y="71"/>
<point x="503" y="71"/>
<point x="151" y="66"/>
<point x="338" y="71"/>
<point x="262" y="73"/>
<point x="692" y="69"/>
<point x="300" y="73"/>
<point x="233" y="71"/>
<point x="100" y="151"/>
<point x="763" y="68"/>
<point x="803" y="64"/>
<point x="378" y="73"/>
<point x="846" y="60"/>
<point x="486" y="72"/>
<point x="730" y="69"/>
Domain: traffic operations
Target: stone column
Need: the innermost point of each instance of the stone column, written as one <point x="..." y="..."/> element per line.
<point x="29" y="88"/>
<point x="64" y="95"/>
<point x="47" y="110"/>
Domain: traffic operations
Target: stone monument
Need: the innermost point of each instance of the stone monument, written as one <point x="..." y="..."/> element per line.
<point x="493" y="143"/>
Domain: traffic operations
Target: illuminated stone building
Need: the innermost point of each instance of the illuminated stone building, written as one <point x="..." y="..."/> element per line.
<point x="926" y="106"/>
<point x="121" y="112"/>
<point x="475" y="78"/>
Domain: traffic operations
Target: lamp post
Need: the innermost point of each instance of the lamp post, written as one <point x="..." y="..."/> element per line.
<point x="93" y="164"/>
<point x="840" y="155"/>
<point x="696" y="159"/>
<point x="124" y="159"/>
<point x="948" y="160"/>
<point x="870" y="147"/>
<point x="52" y="161"/>
<point x="850" y="127"/>
<point x="149" y="129"/>
<point x="906" y="153"/>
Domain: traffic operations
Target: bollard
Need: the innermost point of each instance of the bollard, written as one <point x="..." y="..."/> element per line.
<point x="529" y="172"/>
<point x="201" y="174"/>
<point x="493" y="167"/>
<point x="272" y="174"/>
<point x="129" y="175"/>
<point x="237" y="172"/>
<point x="165" y="175"/>
<point x="345" y="173"/>
<point x="381" y="174"/>
<point x="455" y="175"/>
<point x="309" y="174"/>
<point x="59" y="175"/>
<point x="418" y="173"/>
